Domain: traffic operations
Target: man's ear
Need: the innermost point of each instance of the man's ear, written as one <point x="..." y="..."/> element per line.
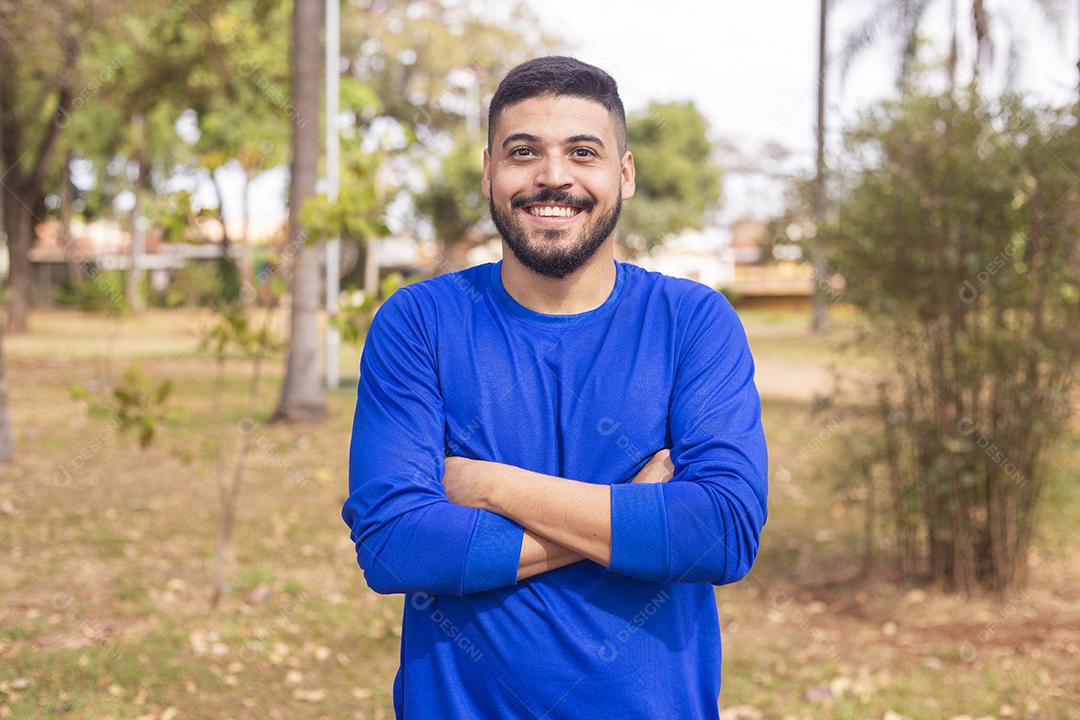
<point x="485" y="182"/>
<point x="628" y="173"/>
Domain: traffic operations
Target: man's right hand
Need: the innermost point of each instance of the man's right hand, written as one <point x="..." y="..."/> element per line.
<point x="658" y="469"/>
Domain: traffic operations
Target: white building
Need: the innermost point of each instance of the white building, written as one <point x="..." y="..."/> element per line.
<point x="702" y="255"/>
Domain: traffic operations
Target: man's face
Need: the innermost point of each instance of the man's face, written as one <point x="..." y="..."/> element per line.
<point x="555" y="181"/>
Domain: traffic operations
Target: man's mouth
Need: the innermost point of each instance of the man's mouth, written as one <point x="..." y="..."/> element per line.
<point x="552" y="213"/>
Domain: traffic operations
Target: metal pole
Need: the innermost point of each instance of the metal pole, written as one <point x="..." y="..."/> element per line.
<point x="333" y="183"/>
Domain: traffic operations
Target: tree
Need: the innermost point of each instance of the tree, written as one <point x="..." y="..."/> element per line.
<point x="40" y="50"/>
<point x="137" y="236"/>
<point x="243" y="117"/>
<point x="956" y="236"/>
<point x="358" y="214"/>
<point x="234" y="333"/>
<point x="435" y="63"/>
<point x="109" y="91"/>
<point x="820" y="308"/>
<point x="7" y="435"/>
<point x="453" y="200"/>
<point x="147" y="94"/>
<point x="906" y="18"/>
<point x="677" y="182"/>
<point x="302" y="393"/>
<point x="433" y="66"/>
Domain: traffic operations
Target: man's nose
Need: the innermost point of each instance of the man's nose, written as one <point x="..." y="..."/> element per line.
<point x="554" y="172"/>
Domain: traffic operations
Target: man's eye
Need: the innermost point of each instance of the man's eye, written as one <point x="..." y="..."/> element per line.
<point x="587" y="151"/>
<point x="513" y="153"/>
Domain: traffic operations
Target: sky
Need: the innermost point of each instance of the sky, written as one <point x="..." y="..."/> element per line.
<point x="751" y="67"/>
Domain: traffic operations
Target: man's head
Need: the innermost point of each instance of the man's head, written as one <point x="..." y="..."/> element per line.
<point x="556" y="168"/>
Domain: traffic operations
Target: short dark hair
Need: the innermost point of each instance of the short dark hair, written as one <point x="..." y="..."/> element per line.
<point x="559" y="75"/>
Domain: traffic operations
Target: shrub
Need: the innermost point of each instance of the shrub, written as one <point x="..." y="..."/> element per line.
<point x="956" y="234"/>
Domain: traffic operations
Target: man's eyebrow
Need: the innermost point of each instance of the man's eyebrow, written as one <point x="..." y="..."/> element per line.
<point x="520" y="136"/>
<point x="532" y="138"/>
<point x="585" y="138"/>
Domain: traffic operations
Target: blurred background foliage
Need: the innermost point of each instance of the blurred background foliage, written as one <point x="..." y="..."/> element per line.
<point x="919" y="397"/>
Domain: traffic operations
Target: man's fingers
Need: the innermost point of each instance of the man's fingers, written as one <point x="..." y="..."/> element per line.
<point x="658" y="469"/>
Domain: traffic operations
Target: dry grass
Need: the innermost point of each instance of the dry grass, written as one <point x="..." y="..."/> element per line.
<point x="105" y="555"/>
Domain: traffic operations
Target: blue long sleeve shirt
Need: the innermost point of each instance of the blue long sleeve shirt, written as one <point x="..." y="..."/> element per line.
<point x="454" y="365"/>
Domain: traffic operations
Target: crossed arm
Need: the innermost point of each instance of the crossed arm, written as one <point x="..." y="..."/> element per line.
<point x="485" y="525"/>
<point x="565" y="521"/>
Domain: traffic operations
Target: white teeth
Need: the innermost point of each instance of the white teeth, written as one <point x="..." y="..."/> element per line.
<point x="552" y="211"/>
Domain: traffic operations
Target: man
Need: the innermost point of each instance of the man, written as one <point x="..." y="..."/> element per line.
<point x="556" y="456"/>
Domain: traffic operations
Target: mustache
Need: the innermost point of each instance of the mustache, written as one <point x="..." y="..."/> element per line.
<point x="558" y="197"/>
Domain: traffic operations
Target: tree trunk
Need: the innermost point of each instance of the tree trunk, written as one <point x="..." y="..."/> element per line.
<point x="453" y="254"/>
<point x="228" y="492"/>
<point x="247" y="273"/>
<point x="19" y="222"/>
<point x="67" y="199"/>
<point x="133" y="277"/>
<point x="371" y="265"/>
<point x="21" y="188"/>
<point x="954" y="46"/>
<point x="980" y="21"/>
<point x="820" y="308"/>
<point x="231" y="284"/>
<point x="7" y="437"/>
<point x="302" y="393"/>
<point x="226" y="241"/>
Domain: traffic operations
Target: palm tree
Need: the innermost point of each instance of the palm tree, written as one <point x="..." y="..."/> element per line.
<point x="905" y="18"/>
<point x="820" y="314"/>
<point x="302" y="393"/>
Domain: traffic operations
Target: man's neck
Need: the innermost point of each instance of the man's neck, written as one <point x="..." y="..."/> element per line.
<point x="582" y="290"/>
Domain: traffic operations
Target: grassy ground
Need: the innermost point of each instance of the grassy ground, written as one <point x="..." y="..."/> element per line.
<point x="106" y="550"/>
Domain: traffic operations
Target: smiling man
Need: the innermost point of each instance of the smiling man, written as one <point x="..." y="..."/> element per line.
<point x="555" y="457"/>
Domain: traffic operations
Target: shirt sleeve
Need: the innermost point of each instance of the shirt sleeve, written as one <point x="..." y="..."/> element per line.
<point x="409" y="536"/>
<point x="703" y="525"/>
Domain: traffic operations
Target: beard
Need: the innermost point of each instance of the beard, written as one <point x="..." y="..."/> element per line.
<point x="547" y="255"/>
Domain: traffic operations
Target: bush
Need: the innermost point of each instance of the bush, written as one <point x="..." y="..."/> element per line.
<point x="101" y="291"/>
<point x="957" y="237"/>
<point x="196" y="283"/>
<point x="356" y="309"/>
